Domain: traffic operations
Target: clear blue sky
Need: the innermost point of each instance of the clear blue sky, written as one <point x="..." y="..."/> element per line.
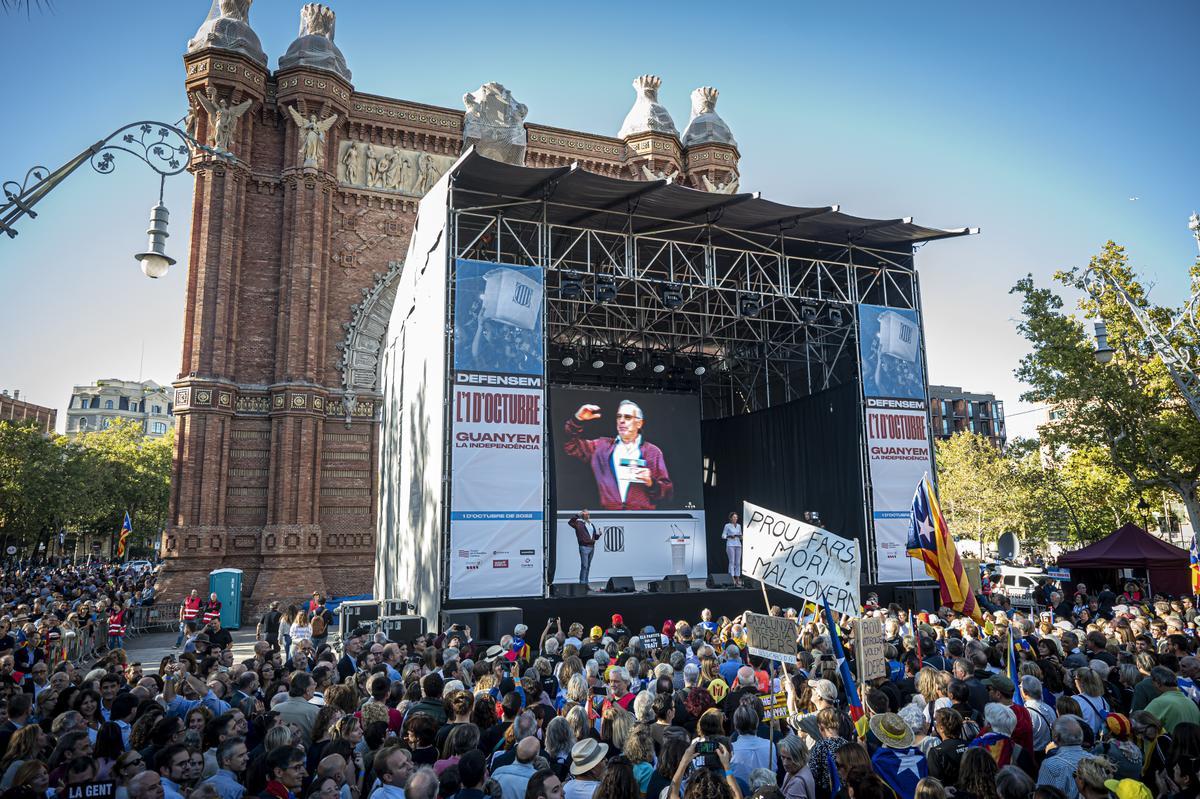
<point x="1034" y="121"/>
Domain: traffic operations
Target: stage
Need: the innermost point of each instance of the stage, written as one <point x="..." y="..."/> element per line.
<point x="656" y="355"/>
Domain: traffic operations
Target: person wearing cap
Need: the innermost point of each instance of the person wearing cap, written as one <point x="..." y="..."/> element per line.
<point x="587" y="769"/>
<point x="897" y="761"/>
<point x="618" y="629"/>
<point x="1001" y="690"/>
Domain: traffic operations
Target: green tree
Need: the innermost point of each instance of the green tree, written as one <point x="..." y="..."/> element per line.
<point x="978" y="488"/>
<point x="36" y="474"/>
<point x="1129" y="409"/>
<point x="128" y="472"/>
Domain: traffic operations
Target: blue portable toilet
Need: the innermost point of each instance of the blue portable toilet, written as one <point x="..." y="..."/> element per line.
<point x="227" y="585"/>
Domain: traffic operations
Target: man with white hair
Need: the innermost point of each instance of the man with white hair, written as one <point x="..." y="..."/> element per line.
<point x="630" y="474"/>
<point x="618" y="688"/>
<point x="999" y="742"/>
<point x="1042" y="715"/>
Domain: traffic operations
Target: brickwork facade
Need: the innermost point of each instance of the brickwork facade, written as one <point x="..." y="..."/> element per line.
<point x="289" y="292"/>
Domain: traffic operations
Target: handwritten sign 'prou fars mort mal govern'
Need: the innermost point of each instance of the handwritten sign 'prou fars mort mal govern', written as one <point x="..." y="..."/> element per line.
<point x="802" y="559"/>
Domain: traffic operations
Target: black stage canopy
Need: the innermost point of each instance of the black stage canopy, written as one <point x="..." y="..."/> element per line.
<point x="575" y="197"/>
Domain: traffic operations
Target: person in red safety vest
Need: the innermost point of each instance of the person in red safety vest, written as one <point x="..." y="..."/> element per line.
<point x="212" y="608"/>
<point x="116" y="627"/>
<point x="188" y="611"/>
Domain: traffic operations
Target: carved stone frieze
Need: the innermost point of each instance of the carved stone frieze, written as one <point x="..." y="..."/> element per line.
<point x="390" y="169"/>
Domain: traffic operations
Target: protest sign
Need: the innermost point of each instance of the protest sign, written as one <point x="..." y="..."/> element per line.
<point x="771" y="637"/>
<point x="90" y="790"/>
<point x="872" y="656"/>
<point x="801" y="559"/>
<point x="774" y="706"/>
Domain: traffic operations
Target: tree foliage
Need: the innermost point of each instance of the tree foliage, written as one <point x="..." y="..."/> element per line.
<point x="86" y="484"/>
<point x="1127" y="412"/>
<point x="1072" y="498"/>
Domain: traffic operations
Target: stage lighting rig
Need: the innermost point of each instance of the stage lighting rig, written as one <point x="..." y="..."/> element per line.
<point x="671" y="295"/>
<point x="570" y="286"/>
<point x="568" y="358"/>
<point x="808" y="312"/>
<point x="699" y="368"/>
<point x="835" y="316"/>
<point x="658" y="365"/>
<point x="606" y="288"/>
<point x="630" y="360"/>
<point x="749" y="305"/>
<point x="598" y="360"/>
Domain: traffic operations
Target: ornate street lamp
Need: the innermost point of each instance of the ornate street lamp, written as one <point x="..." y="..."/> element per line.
<point x="1179" y="362"/>
<point x="164" y="148"/>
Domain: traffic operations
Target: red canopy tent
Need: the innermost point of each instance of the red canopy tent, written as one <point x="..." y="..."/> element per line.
<point x="1131" y="547"/>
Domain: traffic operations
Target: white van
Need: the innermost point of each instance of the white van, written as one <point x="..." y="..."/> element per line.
<point x="1018" y="583"/>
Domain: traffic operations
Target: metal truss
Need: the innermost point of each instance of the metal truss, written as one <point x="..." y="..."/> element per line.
<point x="768" y="325"/>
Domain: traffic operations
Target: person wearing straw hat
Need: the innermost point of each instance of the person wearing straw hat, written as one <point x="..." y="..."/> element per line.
<point x="897" y="761"/>
<point x="587" y="769"/>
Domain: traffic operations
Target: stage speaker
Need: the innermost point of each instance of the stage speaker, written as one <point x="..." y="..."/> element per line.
<point x="721" y="580"/>
<point x="402" y="629"/>
<point x="488" y="624"/>
<point x="671" y="584"/>
<point x="568" y="589"/>
<point x="620" y="585"/>
<point x="918" y="597"/>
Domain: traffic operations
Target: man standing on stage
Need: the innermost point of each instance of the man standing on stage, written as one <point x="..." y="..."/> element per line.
<point x="586" y="535"/>
<point x="630" y="473"/>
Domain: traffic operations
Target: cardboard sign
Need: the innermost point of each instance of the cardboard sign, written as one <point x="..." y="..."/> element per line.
<point x="801" y="559"/>
<point x="872" y="657"/>
<point x="774" y="706"/>
<point x="771" y="637"/>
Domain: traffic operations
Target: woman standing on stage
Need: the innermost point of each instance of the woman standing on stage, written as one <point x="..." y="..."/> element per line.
<point x="733" y="548"/>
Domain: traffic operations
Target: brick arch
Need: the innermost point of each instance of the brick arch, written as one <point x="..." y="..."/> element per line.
<point x="365" y="335"/>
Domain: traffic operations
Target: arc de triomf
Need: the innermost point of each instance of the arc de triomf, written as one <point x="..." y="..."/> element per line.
<point x="296" y="233"/>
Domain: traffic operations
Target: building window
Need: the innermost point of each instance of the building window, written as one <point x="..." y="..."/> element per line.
<point x="106" y="422"/>
<point x="81" y="423"/>
<point x="95" y="403"/>
<point x="108" y="405"/>
<point x="157" y="410"/>
<point x="160" y="427"/>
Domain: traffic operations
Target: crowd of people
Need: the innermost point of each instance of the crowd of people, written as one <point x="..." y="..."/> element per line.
<point x="1100" y="700"/>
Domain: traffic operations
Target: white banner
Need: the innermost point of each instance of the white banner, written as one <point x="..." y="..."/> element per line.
<point x="644" y="546"/>
<point x="899" y="456"/>
<point x="802" y="559"/>
<point x="497" y="497"/>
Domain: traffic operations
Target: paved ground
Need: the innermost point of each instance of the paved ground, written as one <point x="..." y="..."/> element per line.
<point x="150" y="649"/>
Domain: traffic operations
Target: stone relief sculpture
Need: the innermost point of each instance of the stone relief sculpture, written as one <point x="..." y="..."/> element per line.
<point x="314" y="46"/>
<point x="227" y="27"/>
<point x="652" y="175"/>
<point x="390" y="169"/>
<point x="349" y="162"/>
<point x="494" y="124"/>
<point x="312" y="135"/>
<point x="706" y="125"/>
<point x="728" y="187"/>
<point x="647" y="115"/>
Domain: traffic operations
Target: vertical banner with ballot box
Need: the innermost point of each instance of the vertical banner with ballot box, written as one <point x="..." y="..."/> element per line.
<point x="497" y="487"/>
<point x="897" y="429"/>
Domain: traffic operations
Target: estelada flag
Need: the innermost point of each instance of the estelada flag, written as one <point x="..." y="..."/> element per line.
<point x="857" y="715"/>
<point x="126" y="529"/>
<point x="929" y="541"/>
<point x="1195" y="565"/>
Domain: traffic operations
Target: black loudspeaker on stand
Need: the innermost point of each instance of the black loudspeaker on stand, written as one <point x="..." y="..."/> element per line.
<point x="620" y="585"/>
<point x="568" y="589"/>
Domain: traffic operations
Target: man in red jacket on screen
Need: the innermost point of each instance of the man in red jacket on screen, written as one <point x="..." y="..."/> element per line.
<point x="631" y="474"/>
